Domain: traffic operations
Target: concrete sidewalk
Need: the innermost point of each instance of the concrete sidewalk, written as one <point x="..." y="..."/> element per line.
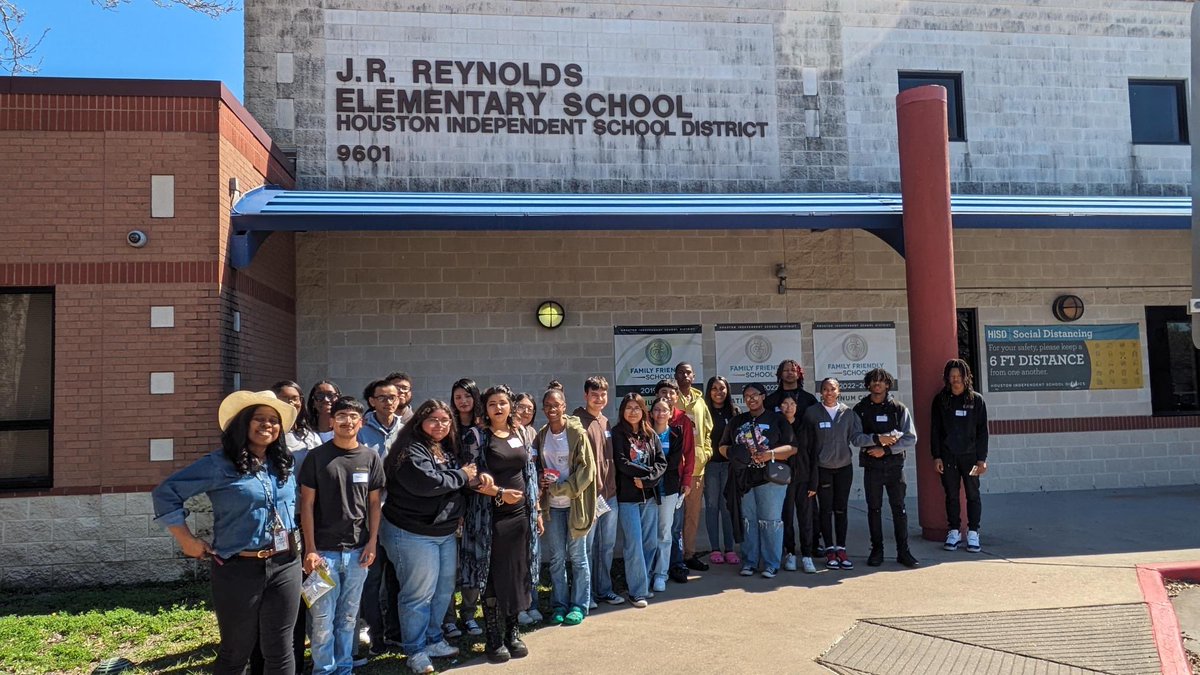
<point x="1041" y="551"/>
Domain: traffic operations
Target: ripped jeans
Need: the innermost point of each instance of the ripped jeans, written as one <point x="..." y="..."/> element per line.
<point x="335" y="614"/>
<point x="761" y="510"/>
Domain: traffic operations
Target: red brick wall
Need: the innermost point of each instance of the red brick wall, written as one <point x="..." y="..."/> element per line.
<point x="75" y="167"/>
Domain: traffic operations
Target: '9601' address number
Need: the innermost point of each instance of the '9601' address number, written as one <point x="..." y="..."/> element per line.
<point x="364" y="153"/>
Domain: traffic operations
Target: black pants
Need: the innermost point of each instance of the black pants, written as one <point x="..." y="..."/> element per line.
<point x="257" y="667"/>
<point x="886" y="472"/>
<point x="380" y="595"/>
<point x="956" y="469"/>
<point x="256" y="601"/>
<point x="833" y="496"/>
<point x="798" y="518"/>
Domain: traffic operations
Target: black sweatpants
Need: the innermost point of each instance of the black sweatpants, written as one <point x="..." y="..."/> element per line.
<point x="833" y="496"/>
<point x="256" y="601"/>
<point x="799" y="518"/>
<point x="956" y="470"/>
<point x="886" y="473"/>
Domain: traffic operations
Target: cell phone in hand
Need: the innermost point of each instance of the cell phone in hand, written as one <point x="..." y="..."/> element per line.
<point x="974" y="471"/>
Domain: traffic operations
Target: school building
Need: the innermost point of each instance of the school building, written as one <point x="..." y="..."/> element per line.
<point x="404" y="187"/>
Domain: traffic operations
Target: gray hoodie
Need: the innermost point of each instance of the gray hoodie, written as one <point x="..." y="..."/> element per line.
<point x="833" y="437"/>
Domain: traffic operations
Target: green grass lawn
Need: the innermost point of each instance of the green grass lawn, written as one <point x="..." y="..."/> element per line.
<point x="162" y="628"/>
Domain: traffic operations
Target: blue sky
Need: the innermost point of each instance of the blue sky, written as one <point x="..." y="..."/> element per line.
<point x="138" y="40"/>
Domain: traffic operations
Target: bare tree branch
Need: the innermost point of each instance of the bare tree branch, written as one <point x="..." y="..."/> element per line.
<point x="16" y="49"/>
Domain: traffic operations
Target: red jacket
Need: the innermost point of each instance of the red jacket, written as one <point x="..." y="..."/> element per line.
<point x="688" y="432"/>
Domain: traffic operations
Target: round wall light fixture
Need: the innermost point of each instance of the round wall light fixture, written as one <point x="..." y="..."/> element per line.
<point x="550" y="314"/>
<point x="1067" y="308"/>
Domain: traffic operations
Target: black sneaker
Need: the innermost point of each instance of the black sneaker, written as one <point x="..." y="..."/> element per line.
<point x="695" y="563"/>
<point x="876" y="557"/>
<point x="678" y="574"/>
<point x="906" y="558"/>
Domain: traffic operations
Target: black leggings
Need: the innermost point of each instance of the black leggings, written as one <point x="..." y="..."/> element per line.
<point x="833" y="495"/>
<point x="798" y="518"/>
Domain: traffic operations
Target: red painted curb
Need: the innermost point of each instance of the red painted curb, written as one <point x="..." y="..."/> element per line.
<point x="1167" y="637"/>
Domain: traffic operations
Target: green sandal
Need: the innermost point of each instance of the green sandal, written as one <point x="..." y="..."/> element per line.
<point x="574" y="617"/>
<point x="557" y="617"/>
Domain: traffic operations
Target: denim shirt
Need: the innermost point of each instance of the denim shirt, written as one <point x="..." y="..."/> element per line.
<point x="241" y="503"/>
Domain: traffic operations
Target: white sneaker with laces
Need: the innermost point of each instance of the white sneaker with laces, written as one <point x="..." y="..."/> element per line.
<point x="660" y="585"/>
<point x="973" y="542"/>
<point x="953" y="538"/>
<point x="769" y="573"/>
<point x="809" y="567"/>
<point x="789" y="562"/>
<point x="441" y="649"/>
<point x="420" y="663"/>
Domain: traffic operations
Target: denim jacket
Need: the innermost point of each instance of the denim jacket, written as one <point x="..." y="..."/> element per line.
<point x="241" y="503"/>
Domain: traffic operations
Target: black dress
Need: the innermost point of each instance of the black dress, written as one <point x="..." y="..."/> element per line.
<point x="509" y="581"/>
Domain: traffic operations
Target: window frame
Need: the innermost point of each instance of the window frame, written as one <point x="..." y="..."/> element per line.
<point x="957" y="111"/>
<point x="1180" y="87"/>
<point x="47" y="481"/>
<point x="1157" y="316"/>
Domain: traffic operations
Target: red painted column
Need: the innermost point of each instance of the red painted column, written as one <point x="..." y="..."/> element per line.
<point x="929" y="269"/>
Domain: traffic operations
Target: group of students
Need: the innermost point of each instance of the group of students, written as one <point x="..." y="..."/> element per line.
<point x="400" y="507"/>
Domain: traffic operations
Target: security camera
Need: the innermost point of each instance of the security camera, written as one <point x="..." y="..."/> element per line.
<point x="136" y="238"/>
<point x="1194" y="306"/>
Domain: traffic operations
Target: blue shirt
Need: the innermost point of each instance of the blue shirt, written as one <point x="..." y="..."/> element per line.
<point x="241" y="503"/>
<point x="377" y="437"/>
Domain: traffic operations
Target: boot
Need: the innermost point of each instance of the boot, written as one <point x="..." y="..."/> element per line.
<point x="905" y="557"/>
<point x="512" y="639"/>
<point x="494" y="632"/>
<point x="876" y="557"/>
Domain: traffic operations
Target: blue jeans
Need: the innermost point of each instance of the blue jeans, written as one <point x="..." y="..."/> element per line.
<point x="761" y="511"/>
<point x="537" y="569"/>
<point x="379" y="600"/>
<point x="425" y="569"/>
<point x="560" y="548"/>
<point x="677" y="519"/>
<point x="600" y="544"/>
<point x="335" y="614"/>
<point x="639" y="528"/>
<point x="667" y="535"/>
<point x="716" y="511"/>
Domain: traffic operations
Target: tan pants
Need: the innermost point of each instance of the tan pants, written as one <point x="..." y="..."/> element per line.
<point x="693" y="508"/>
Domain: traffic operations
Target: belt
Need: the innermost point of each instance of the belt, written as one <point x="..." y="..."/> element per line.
<point x="262" y="554"/>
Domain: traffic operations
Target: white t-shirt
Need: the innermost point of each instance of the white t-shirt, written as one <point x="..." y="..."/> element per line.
<point x="556" y="455"/>
<point x="832" y="411"/>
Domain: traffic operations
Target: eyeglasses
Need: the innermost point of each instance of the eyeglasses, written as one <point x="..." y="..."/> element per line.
<point x="386" y="399"/>
<point x="439" y="421"/>
<point x="326" y="396"/>
<point x="347" y="417"/>
<point x="524" y="408"/>
<point x="266" y="421"/>
<point x="749" y="395"/>
<point x="403" y="389"/>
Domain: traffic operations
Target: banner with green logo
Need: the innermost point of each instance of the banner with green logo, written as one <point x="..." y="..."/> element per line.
<point x="751" y="352"/>
<point x="646" y="354"/>
<point x="847" y="351"/>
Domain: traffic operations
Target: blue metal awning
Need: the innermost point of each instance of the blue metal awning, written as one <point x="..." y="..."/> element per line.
<point x="270" y="209"/>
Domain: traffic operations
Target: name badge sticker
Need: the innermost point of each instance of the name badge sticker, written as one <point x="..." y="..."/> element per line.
<point x="960" y="413"/>
<point x="360" y="476"/>
<point x="514" y="442"/>
<point x="825" y="425"/>
<point x="607" y="433"/>
<point x="763" y="427"/>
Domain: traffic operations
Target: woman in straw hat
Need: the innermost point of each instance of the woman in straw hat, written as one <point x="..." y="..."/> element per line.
<point x="255" y="573"/>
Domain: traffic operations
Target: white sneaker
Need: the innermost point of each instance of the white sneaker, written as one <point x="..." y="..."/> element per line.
<point x="420" y="663"/>
<point x="746" y="572"/>
<point x="592" y="603"/>
<point x="535" y="615"/>
<point x="953" y="537"/>
<point x="789" y="562"/>
<point x="364" y="633"/>
<point x="973" y="542"/>
<point x="638" y="602"/>
<point x="769" y="573"/>
<point x="441" y="649"/>
<point x="524" y="619"/>
<point x="660" y="585"/>
<point x="809" y="567"/>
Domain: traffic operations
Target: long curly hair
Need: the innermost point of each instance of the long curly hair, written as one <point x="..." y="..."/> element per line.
<point x="233" y="444"/>
<point x="968" y="379"/>
<point x="414" y="432"/>
<point x="499" y="390"/>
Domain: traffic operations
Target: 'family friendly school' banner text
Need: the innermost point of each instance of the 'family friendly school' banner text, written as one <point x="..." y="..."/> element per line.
<point x="646" y="354"/>
<point x="1063" y="358"/>
<point x="847" y="351"/>
<point x="750" y="352"/>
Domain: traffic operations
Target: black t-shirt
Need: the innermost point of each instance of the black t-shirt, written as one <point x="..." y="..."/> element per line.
<point x="773" y="430"/>
<point x="342" y="479"/>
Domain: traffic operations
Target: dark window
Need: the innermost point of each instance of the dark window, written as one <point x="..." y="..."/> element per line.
<point x="954" y="98"/>
<point x="1174" y="361"/>
<point x="968" y="340"/>
<point x="27" y="377"/>
<point x="1158" y="111"/>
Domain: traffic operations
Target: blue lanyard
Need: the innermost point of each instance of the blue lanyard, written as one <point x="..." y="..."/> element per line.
<point x="272" y="516"/>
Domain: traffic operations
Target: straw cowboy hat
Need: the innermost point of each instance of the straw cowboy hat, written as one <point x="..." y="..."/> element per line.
<point x="240" y="400"/>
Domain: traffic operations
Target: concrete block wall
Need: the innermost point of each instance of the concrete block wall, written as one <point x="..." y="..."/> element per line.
<point x="1046" y="95"/>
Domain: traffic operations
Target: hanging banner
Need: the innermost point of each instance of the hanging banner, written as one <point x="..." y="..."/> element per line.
<point x="750" y="352"/>
<point x="646" y="354"/>
<point x="848" y="351"/>
<point x="1063" y="358"/>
